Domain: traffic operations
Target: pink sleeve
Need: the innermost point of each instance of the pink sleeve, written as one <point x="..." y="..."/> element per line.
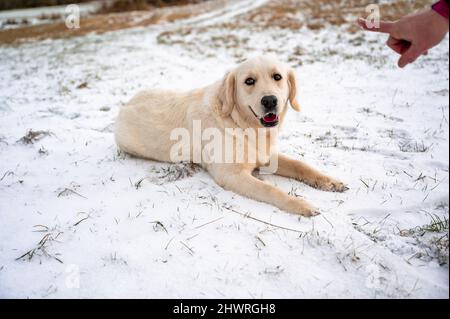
<point x="441" y="7"/>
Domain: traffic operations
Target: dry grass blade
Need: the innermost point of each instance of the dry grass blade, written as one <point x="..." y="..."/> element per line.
<point x="191" y="251"/>
<point x="365" y="184"/>
<point x="158" y="225"/>
<point x="7" y="173"/>
<point x="175" y="172"/>
<point x="261" y="241"/>
<point x="213" y="221"/>
<point x="34" y="136"/>
<point x="262" y="221"/>
<point x="41" y="248"/>
<point x="80" y="221"/>
<point x="42" y="230"/>
<point x="68" y="191"/>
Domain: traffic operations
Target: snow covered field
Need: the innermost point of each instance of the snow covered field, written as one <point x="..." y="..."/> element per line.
<point x="78" y="219"/>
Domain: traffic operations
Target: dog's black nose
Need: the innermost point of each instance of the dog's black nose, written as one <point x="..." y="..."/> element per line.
<point x="269" y="102"/>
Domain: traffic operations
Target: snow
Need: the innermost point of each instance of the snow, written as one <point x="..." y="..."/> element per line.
<point x="118" y="226"/>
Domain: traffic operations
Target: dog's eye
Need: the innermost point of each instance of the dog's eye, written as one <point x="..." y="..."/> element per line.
<point x="250" y="81"/>
<point x="277" y="77"/>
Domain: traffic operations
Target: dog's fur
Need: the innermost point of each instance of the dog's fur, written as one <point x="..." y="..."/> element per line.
<point x="144" y="127"/>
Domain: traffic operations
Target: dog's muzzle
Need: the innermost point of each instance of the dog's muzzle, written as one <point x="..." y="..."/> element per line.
<point x="269" y="119"/>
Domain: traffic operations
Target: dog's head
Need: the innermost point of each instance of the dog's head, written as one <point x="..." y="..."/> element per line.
<point x="258" y="92"/>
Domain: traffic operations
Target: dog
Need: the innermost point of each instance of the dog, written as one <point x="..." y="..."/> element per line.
<point x="255" y="95"/>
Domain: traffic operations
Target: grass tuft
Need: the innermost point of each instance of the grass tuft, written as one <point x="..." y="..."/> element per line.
<point x="32" y="137"/>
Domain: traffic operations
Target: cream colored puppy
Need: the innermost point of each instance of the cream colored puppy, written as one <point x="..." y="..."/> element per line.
<point x="255" y="95"/>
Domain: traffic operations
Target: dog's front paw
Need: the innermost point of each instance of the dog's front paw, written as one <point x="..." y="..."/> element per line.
<point x="300" y="207"/>
<point x="331" y="185"/>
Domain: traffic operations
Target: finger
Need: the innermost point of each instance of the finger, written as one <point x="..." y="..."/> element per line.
<point x="409" y="56"/>
<point x="383" y="26"/>
<point x="396" y="45"/>
<point x="405" y="45"/>
<point x="400" y="46"/>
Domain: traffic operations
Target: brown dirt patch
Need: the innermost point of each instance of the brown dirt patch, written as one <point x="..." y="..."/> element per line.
<point x="135" y="5"/>
<point x="315" y="15"/>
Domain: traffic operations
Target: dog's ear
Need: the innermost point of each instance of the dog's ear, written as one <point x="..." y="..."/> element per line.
<point x="292" y="81"/>
<point x="227" y="94"/>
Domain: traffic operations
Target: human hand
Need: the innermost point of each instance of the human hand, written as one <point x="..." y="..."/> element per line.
<point x="412" y="35"/>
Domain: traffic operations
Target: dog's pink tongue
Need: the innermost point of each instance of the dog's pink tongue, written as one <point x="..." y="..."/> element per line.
<point x="270" y="118"/>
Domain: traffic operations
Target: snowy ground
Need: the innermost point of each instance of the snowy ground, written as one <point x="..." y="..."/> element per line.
<point x="88" y="221"/>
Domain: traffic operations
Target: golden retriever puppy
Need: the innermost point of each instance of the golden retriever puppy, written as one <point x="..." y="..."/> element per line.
<point x="254" y="97"/>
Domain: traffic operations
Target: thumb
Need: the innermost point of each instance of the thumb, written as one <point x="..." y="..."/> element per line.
<point x="409" y="56"/>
